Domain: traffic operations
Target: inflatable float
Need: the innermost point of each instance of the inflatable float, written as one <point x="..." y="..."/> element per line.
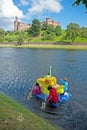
<point x="49" y="80"/>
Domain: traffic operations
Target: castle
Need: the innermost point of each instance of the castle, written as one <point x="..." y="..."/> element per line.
<point x="22" y="26"/>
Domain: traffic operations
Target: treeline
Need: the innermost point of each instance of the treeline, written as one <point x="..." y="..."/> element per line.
<point x="44" y="33"/>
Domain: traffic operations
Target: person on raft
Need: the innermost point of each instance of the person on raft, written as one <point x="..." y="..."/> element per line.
<point x="47" y="76"/>
<point x="53" y="96"/>
<point x="64" y="82"/>
<point x="37" y="89"/>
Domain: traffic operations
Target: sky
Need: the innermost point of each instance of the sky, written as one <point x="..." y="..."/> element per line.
<point x="61" y="11"/>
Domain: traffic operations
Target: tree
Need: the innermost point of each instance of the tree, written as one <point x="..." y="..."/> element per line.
<point x="2" y="35"/>
<point x="44" y="26"/>
<point x="50" y="29"/>
<point x="19" y="40"/>
<point x="34" y="30"/>
<point x="83" y="32"/>
<point x="58" y="30"/>
<point x="77" y="2"/>
<point x="73" y="30"/>
<point x="48" y="36"/>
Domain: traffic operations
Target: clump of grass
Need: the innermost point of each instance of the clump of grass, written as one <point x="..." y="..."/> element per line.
<point x="13" y="116"/>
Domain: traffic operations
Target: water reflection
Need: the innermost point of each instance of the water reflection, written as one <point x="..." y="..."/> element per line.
<point x="19" y="68"/>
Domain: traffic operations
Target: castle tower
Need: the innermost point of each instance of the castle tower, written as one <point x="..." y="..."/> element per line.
<point x="48" y="21"/>
<point x="16" y="23"/>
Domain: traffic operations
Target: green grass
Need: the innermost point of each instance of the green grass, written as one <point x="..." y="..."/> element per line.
<point x="13" y="116"/>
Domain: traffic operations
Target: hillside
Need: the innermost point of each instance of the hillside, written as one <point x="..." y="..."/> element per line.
<point x="25" y="38"/>
<point x="45" y="34"/>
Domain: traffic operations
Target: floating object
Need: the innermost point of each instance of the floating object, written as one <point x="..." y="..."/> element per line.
<point x="49" y="80"/>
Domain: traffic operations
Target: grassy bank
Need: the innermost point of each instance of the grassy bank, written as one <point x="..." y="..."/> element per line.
<point x="73" y="47"/>
<point x="15" y="117"/>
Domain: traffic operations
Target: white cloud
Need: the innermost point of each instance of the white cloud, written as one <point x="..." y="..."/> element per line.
<point x="39" y="6"/>
<point x="24" y="2"/>
<point x="8" y="11"/>
<point x="6" y="23"/>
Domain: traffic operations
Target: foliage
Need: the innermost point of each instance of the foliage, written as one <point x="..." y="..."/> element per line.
<point x="50" y="29"/>
<point x="51" y="32"/>
<point x="58" y="30"/>
<point x="83" y="32"/>
<point x="77" y="2"/>
<point x="44" y="26"/>
<point x="10" y="39"/>
<point x="73" y="30"/>
<point x="2" y="35"/>
<point x="49" y="36"/>
<point x="19" y="40"/>
<point x="34" y="30"/>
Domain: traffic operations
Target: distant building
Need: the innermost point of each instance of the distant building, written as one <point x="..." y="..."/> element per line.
<point x="52" y="22"/>
<point x="22" y="26"/>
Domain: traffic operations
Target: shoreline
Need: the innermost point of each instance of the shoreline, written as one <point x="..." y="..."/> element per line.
<point x="75" y="47"/>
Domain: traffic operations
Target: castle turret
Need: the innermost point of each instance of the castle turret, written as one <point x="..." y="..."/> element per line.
<point x="16" y="23"/>
<point x="20" y="25"/>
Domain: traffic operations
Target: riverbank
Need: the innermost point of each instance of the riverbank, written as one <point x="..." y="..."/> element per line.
<point x="74" y="47"/>
<point x="13" y="116"/>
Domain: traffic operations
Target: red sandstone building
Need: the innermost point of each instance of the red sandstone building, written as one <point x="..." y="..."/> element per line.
<point x="52" y="22"/>
<point x="21" y="26"/>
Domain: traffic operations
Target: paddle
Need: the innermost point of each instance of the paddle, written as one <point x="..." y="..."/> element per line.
<point x="43" y="104"/>
<point x="29" y="95"/>
<point x="50" y="70"/>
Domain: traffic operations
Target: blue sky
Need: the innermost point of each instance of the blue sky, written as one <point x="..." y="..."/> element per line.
<point x="26" y="10"/>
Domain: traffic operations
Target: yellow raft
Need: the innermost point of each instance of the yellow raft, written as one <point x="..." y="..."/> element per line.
<point x="50" y="81"/>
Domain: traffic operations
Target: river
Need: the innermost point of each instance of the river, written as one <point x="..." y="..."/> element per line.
<point x="19" y="68"/>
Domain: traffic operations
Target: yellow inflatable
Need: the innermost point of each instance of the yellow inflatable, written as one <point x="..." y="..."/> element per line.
<point x="60" y="89"/>
<point x="49" y="81"/>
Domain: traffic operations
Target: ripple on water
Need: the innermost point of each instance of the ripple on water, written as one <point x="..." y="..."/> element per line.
<point x="19" y="68"/>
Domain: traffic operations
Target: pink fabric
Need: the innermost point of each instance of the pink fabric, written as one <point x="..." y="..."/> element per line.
<point x="37" y="90"/>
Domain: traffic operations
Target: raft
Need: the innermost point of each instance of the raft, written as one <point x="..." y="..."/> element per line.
<point x="62" y="97"/>
<point x="49" y="80"/>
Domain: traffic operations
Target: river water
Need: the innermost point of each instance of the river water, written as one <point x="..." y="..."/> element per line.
<point x="19" y="68"/>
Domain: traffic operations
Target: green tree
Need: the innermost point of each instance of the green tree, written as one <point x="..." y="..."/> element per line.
<point x="2" y="35"/>
<point x="83" y="32"/>
<point x="72" y="31"/>
<point x="34" y="30"/>
<point x="77" y="2"/>
<point x="10" y="39"/>
<point x="48" y="36"/>
<point x="50" y="29"/>
<point x="44" y="26"/>
<point x="19" y="40"/>
<point x="58" y="30"/>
